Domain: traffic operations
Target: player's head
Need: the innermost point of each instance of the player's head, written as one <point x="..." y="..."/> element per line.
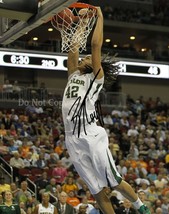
<point x="85" y="65"/>
<point x="110" y="68"/>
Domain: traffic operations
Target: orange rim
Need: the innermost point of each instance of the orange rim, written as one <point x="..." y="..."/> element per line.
<point x="82" y="5"/>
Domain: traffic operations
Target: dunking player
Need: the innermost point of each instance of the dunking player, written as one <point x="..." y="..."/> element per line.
<point x="86" y="142"/>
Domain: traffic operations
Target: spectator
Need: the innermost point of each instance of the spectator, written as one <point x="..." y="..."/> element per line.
<point x="59" y="172"/>
<point x="108" y="119"/>
<point x="3" y="149"/>
<point x="124" y="122"/>
<point x="85" y="201"/>
<point x="60" y="146"/>
<point x="152" y="152"/>
<point x="8" y="206"/>
<point x="14" y="189"/>
<point x="52" y="187"/>
<point x="82" y="191"/>
<point x="160" y="182"/>
<point x="45" y="206"/>
<point x="41" y="162"/>
<point x="13" y="130"/>
<point x="152" y="175"/>
<point x="12" y="148"/>
<point x="3" y="131"/>
<point x="161" y="152"/>
<point x="25" y="131"/>
<point x="152" y="193"/>
<point x="23" y="195"/>
<point x="140" y="171"/>
<point x="90" y="197"/>
<point x="67" y="161"/>
<point x="7" y="121"/>
<point x="52" y="161"/>
<point x="158" y="210"/>
<point x="133" y="151"/>
<point x="69" y="185"/>
<point x="132" y="131"/>
<point x="38" y="109"/>
<point x="121" y="167"/>
<point x="22" y="208"/>
<point x="151" y="163"/>
<point x="143" y="184"/>
<point x="25" y="148"/>
<point x="131" y="175"/>
<point x="42" y="183"/>
<point x="62" y="205"/>
<point x="82" y="209"/>
<point x="72" y="199"/>
<point x="36" y="146"/>
<point x="28" y="161"/>
<point x="165" y="205"/>
<point x="126" y="208"/>
<point x="17" y="163"/>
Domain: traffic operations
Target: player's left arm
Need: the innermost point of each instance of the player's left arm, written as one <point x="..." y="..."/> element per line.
<point x="96" y="45"/>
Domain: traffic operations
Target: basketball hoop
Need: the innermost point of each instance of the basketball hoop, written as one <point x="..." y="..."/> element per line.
<point x="75" y="24"/>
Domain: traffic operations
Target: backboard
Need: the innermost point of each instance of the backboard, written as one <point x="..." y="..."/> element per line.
<point x="11" y="29"/>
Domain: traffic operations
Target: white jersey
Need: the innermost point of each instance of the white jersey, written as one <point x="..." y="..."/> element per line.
<point x="44" y="210"/>
<point x="78" y="105"/>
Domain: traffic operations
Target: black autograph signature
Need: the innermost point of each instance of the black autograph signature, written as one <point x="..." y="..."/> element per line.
<point x="81" y="112"/>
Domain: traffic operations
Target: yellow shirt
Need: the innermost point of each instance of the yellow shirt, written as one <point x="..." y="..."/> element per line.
<point x="69" y="187"/>
<point x="167" y="158"/>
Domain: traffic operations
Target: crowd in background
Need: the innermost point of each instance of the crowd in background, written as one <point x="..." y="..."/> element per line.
<point x="158" y="15"/>
<point x="139" y="142"/>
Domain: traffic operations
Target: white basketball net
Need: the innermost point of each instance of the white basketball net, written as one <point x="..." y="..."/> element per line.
<point x="74" y="36"/>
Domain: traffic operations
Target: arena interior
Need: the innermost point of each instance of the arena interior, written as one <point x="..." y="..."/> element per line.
<point x="135" y="109"/>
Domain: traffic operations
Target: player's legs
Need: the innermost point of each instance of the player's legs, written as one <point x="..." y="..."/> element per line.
<point x="128" y="192"/>
<point x="91" y="160"/>
<point x="104" y="202"/>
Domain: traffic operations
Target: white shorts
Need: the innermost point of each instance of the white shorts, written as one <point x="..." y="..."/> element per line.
<point x="92" y="159"/>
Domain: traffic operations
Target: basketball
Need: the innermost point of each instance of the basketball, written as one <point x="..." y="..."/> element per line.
<point x="64" y="18"/>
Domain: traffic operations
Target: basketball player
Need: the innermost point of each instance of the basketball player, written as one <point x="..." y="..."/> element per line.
<point x="86" y="142"/>
<point x="45" y="207"/>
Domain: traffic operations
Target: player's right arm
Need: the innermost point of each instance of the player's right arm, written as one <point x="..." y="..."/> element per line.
<point x="73" y="54"/>
<point x="72" y="61"/>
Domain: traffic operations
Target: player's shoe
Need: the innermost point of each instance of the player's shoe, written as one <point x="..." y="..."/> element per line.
<point x="144" y="210"/>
